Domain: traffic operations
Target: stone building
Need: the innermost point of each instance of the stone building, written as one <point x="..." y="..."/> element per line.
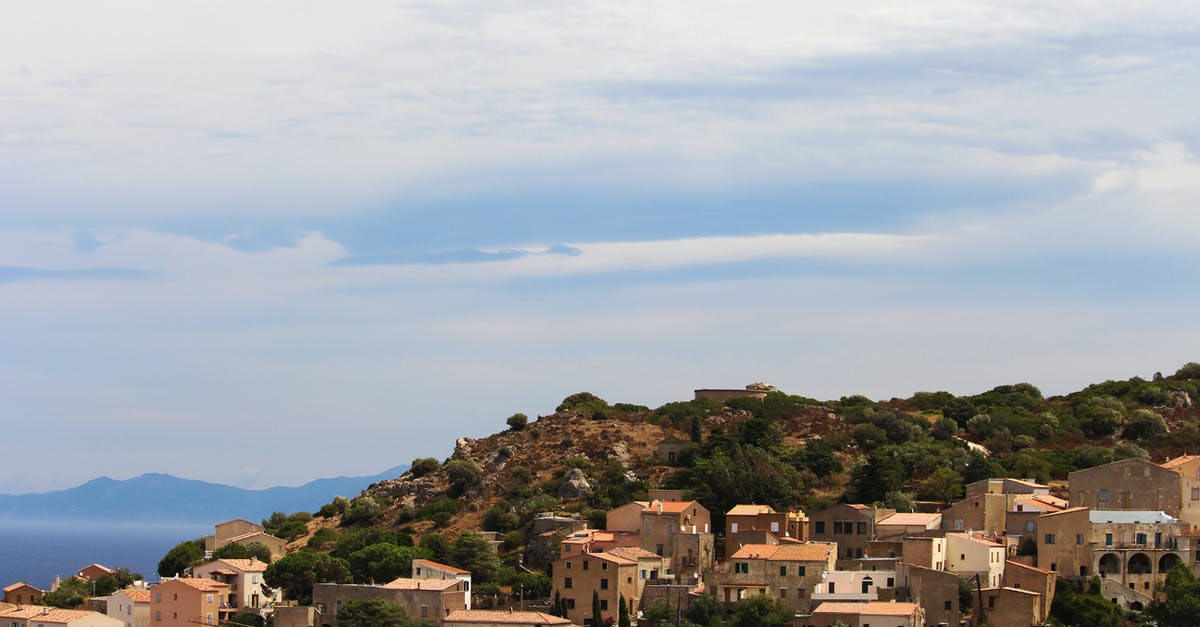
<point x="790" y="573"/>
<point x="851" y="526"/>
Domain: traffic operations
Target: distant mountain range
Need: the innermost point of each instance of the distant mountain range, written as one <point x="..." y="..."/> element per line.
<point x="163" y="498"/>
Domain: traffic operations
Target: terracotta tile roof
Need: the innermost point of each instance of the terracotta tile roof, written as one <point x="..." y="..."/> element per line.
<point x="889" y="608"/>
<point x="1035" y="569"/>
<point x="858" y="506"/>
<point x="669" y="507"/>
<point x="906" y="519"/>
<point x="450" y="569"/>
<point x="406" y="583"/>
<point x="21" y="584"/>
<point x="503" y="617"/>
<point x="137" y="595"/>
<point x="222" y="524"/>
<point x="45" y="614"/>
<point x="750" y="510"/>
<point x="633" y="553"/>
<point x="245" y="565"/>
<point x="1172" y="464"/>
<point x="203" y="585"/>
<point x="251" y="535"/>
<point x="840" y="607"/>
<point x="810" y="552"/>
<point x="976" y="537"/>
<point x="609" y="557"/>
<point x="1065" y="511"/>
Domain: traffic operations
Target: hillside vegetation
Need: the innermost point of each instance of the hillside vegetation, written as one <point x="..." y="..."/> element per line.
<point x="785" y="450"/>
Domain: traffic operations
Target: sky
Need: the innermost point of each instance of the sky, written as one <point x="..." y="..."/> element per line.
<point x="264" y="242"/>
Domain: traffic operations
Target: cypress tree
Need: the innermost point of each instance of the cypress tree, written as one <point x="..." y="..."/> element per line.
<point x="623" y="613"/>
<point x="597" y="617"/>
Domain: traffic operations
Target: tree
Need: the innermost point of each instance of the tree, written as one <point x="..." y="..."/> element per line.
<point x="1100" y="416"/>
<point x="944" y="429"/>
<point x="1144" y="425"/>
<point x="944" y="484"/>
<point x="1180" y="605"/>
<point x="179" y="559"/>
<point x="516" y="422"/>
<point x="463" y="474"/>
<point x="597" y="615"/>
<point x="372" y="613"/>
<point x="1190" y="370"/>
<point x="116" y="580"/>
<point x="706" y="610"/>
<point x="473" y="551"/>
<point x="296" y="573"/>
<point x="383" y="562"/>
<point x="900" y="501"/>
<point x="623" y="613"/>
<point x="71" y="593"/>
<point x="761" y="610"/>
<point x="364" y="512"/>
<point x="422" y="466"/>
<point x="233" y="550"/>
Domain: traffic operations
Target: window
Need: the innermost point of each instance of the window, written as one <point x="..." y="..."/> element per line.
<point x="741" y="567"/>
<point x="1079" y="538"/>
<point x="570" y="604"/>
<point x="862" y="528"/>
<point x="800" y="571"/>
<point x="568" y="565"/>
<point x="1050" y="540"/>
<point x="783" y="571"/>
<point x="208" y="598"/>
<point x="424" y="611"/>
<point x="585" y="564"/>
<point x="642" y="574"/>
<point x="837" y="527"/>
<point x="658" y="549"/>
<point x="208" y="618"/>
<point x="567" y="582"/>
<point x="820" y="526"/>
<point x="946" y="605"/>
<point x="958" y="524"/>
<point x="604" y="604"/>
<point x="604" y="584"/>
<point x="1140" y="538"/>
<point x="775" y="527"/>
<point x="158" y="597"/>
<point x="649" y="527"/>
<point x="891" y="582"/>
<point x="604" y="566"/>
<point x="1102" y="495"/>
<point x="158" y="615"/>
<point x="832" y="587"/>
<point x="733" y="527"/>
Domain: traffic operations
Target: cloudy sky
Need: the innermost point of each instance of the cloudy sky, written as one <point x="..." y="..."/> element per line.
<point x="263" y="242"/>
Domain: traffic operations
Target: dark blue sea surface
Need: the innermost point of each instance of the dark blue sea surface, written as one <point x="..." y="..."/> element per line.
<point x="38" y="551"/>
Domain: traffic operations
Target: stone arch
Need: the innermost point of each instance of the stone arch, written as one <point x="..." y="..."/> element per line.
<point x="1110" y="564"/>
<point x="1139" y="564"/>
<point x="1167" y="561"/>
<point x="1136" y="606"/>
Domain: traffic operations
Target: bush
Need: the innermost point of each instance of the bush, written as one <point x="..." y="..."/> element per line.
<point x="1190" y="370"/>
<point x="232" y="550"/>
<point x="422" y="466"/>
<point x="372" y="613"/>
<point x="364" y="512"/>
<point x="584" y="403"/>
<point x="463" y="474"/>
<point x="517" y="422"/>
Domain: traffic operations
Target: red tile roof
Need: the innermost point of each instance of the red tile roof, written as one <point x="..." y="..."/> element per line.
<point x="451" y="569"/>
<point x="503" y="617"/>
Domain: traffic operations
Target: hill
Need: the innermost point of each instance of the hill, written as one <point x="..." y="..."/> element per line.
<point x="157" y="497"/>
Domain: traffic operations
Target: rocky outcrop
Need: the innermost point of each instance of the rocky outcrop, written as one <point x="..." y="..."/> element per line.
<point x="575" y="485"/>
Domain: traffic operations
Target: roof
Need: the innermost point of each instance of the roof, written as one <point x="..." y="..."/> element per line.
<point x="1008" y="589"/>
<point x="633" y="553"/>
<point x="1045" y="501"/>
<point x="609" y="557"/>
<point x="251" y="534"/>
<point x="222" y="524"/>
<point x="906" y="519"/>
<point x="96" y="566"/>
<point x="406" y="583"/>
<point x="890" y="608"/>
<point x="1130" y="517"/>
<point x="503" y="617"/>
<point x="1172" y="464"/>
<point x="137" y="595"/>
<point x="250" y="565"/>
<point x="204" y="585"/>
<point x="750" y="510"/>
<point x="21" y="584"/>
<point x="810" y="552"/>
<point x="1035" y="569"/>
<point x="1065" y="511"/>
<point x="668" y="507"/>
<point x="840" y="607"/>
<point x="46" y="614"/>
<point x="451" y="569"/>
<point x="975" y="537"/>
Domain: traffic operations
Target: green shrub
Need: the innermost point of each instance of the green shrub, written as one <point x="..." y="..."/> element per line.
<point x="517" y="422"/>
<point x="422" y="466"/>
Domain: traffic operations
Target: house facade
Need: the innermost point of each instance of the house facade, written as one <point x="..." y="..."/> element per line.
<point x="43" y="616"/>
<point x="421" y="598"/>
<point x="790" y="573"/>
<point x="247" y="590"/>
<point x="186" y="602"/>
<point x="131" y="606"/>
<point x="851" y="526"/>
<point x="22" y="593"/>
<point x="611" y="576"/>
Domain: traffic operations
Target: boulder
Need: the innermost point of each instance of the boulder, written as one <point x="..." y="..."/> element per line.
<point x="575" y="485"/>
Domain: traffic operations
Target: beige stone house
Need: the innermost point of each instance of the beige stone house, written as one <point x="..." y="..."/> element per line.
<point x="610" y="576"/>
<point x="186" y="602"/>
<point x="247" y="590"/>
<point x="243" y="532"/>
<point x="904" y="524"/>
<point x="43" y="616"/>
<point x="968" y="555"/>
<point x="1138" y="484"/>
<point x="790" y="573"/>
<point x="429" y="569"/>
<point x="746" y="524"/>
<point x="420" y="598"/>
<point x="935" y="590"/>
<point x="131" y="606"/>
<point x="851" y="526"/>
<point x="679" y="530"/>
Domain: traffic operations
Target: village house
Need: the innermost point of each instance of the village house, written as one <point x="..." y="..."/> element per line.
<point x="787" y="572"/>
<point x="968" y="555"/>
<point x="43" y="616"/>
<point x="507" y="618"/>
<point x="186" y="602"/>
<point x="1008" y="607"/>
<point x="761" y="524"/>
<point x="610" y="575"/>
<point x="678" y="530"/>
<point x="429" y="569"/>
<point x="670" y="449"/>
<point x="131" y="606"/>
<point x="22" y="593"/>
<point x="868" y="614"/>
<point x="1002" y="506"/>
<point x="1130" y="550"/>
<point x="247" y="590"/>
<point x="853" y="585"/>
<point x="720" y="395"/>
<point x="243" y="532"/>
<point x="851" y="526"/>
<point x="92" y="572"/>
<point x="420" y="598"/>
<point x="903" y="524"/>
<point x="1142" y="485"/>
<point x="935" y="590"/>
